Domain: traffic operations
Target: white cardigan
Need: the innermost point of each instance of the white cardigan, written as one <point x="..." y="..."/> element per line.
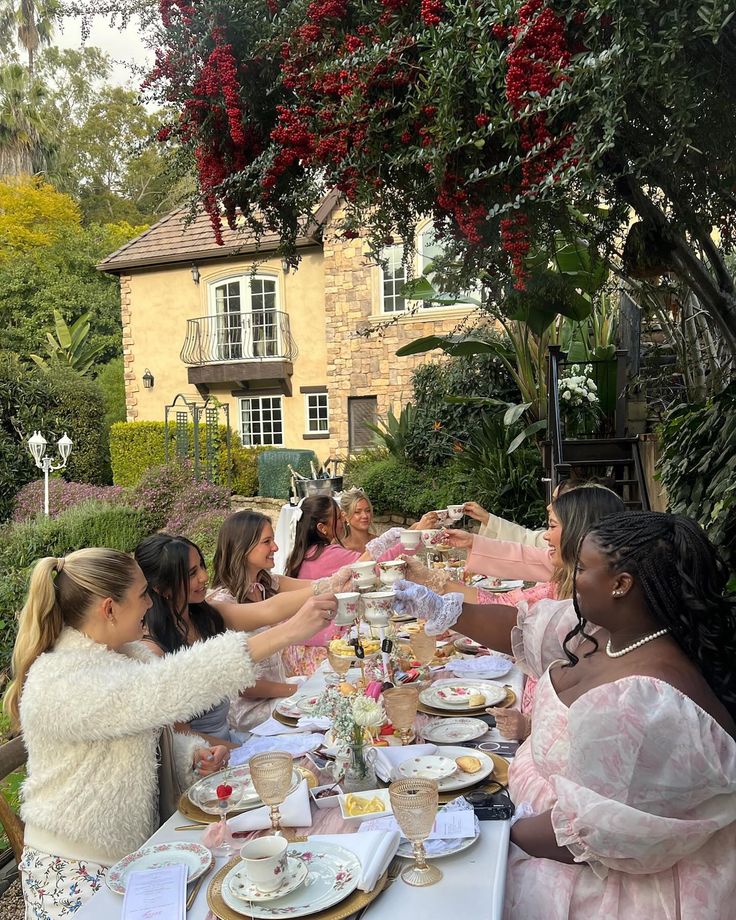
<point x="91" y="719"/>
<point x="498" y="528"/>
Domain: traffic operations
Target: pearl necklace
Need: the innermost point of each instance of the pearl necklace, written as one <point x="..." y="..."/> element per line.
<point x="630" y="648"/>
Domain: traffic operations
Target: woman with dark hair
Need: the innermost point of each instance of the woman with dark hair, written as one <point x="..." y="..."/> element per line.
<point x="630" y="770"/>
<point x="571" y="515"/>
<point x="180" y="614"/>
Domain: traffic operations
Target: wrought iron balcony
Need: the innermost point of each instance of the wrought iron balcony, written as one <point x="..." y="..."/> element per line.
<point x="256" y="335"/>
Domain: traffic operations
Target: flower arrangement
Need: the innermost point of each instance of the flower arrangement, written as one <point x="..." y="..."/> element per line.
<point x="579" y="392"/>
<point x="351" y="718"/>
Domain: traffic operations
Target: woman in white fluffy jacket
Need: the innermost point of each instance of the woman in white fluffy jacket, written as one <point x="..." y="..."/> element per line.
<point x="91" y="705"/>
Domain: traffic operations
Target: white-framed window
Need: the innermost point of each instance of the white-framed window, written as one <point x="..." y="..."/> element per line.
<point x="316" y="413"/>
<point x="394" y="274"/>
<point x="261" y="421"/>
<point x="246" y="320"/>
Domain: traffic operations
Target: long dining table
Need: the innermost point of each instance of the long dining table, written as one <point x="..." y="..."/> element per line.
<point x="473" y="880"/>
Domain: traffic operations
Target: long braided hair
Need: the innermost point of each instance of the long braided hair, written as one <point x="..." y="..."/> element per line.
<point x="683" y="580"/>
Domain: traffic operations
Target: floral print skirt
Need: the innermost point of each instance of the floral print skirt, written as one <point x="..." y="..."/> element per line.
<point x="54" y="887"/>
<point x="303" y="659"/>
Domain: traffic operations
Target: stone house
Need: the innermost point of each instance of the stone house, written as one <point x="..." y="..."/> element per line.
<point x="282" y="348"/>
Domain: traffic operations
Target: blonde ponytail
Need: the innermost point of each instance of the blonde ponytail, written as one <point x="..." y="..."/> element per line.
<point x="59" y="594"/>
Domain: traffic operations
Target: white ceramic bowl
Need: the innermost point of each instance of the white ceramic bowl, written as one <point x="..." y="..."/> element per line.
<point x="430" y="767"/>
<point x="367" y="794"/>
<point x="331" y="801"/>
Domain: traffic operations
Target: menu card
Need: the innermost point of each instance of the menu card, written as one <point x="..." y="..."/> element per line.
<point x="156" y="894"/>
<point x="449" y="825"/>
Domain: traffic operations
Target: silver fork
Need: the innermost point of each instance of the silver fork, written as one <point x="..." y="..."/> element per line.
<point x="393" y="873"/>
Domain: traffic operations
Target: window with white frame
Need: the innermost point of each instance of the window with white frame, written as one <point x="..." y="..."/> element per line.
<point x="316" y="413"/>
<point x="394" y="275"/>
<point x="261" y="421"/>
<point x="246" y="321"/>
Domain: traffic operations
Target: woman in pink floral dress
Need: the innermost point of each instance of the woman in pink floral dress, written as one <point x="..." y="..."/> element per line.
<point x="631" y="765"/>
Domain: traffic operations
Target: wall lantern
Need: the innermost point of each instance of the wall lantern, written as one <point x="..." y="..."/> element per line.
<point x="148" y="380"/>
<point x="195" y="273"/>
<point x="285" y="266"/>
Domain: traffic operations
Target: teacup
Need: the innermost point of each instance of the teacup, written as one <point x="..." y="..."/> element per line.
<point x="265" y="862"/>
<point x="455" y="512"/>
<point x="379" y="605"/>
<point x="391" y="571"/>
<point x="347" y="608"/>
<point x="363" y="574"/>
<point x="442" y="515"/>
<point x="410" y="538"/>
<point x="430" y="538"/>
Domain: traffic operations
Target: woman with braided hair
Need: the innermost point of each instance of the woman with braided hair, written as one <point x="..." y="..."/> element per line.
<point x="630" y="770"/>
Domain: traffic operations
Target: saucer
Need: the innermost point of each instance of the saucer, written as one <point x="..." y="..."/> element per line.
<point x="245" y="890"/>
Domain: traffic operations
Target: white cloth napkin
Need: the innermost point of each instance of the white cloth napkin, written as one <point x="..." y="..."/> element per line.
<point x="295" y="811"/>
<point x="305" y="724"/>
<point x="296" y="745"/>
<point x="388" y="758"/>
<point x="374" y="849"/>
<point x="489" y="666"/>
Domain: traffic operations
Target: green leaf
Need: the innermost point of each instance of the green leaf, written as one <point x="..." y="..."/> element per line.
<point x="526" y="433"/>
<point x="514" y="413"/>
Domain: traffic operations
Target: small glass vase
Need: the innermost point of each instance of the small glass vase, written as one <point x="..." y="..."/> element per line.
<point x="359" y="772"/>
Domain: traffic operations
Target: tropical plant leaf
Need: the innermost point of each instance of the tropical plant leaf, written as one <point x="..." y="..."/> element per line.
<point x="539" y="425"/>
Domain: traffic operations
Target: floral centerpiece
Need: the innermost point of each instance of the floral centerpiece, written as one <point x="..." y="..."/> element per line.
<point x="579" y="402"/>
<point x="353" y="717"/>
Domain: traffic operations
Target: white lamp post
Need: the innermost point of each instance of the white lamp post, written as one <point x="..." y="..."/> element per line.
<point x="37" y="446"/>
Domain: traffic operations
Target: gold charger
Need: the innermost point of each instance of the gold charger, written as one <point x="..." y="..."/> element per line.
<point x="509" y="700"/>
<point x="285" y="720"/>
<point x="354" y="902"/>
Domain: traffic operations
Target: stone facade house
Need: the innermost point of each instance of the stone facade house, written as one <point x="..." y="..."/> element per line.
<point x="282" y="348"/>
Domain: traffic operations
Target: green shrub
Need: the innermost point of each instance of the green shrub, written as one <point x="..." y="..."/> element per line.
<point x="13" y="588"/>
<point x="78" y="408"/>
<point x="111" y="381"/>
<point x="698" y="467"/>
<point x="395" y="487"/>
<point x="136" y="447"/>
<point x="204" y="531"/>
<point x="274" y="478"/>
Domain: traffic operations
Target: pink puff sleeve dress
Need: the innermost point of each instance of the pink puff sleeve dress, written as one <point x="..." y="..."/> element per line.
<point x="641" y="783"/>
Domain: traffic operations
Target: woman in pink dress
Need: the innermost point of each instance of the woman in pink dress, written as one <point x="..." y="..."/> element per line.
<point x="630" y="769"/>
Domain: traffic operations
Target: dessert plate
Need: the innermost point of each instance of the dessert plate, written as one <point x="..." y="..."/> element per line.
<point x="333" y="874"/>
<point x="195" y="857"/>
<point x="207" y="787"/>
<point x="307" y="704"/>
<point x="461" y="779"/>
<point x="429" y="767"/>
<point x="454" y="731"/>
<point x="242" y="887"/>
<point x="454" y="694"/>
<point x="289" y="707"/>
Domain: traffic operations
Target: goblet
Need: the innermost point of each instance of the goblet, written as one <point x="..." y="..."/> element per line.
<point x="401" y="708"/>
<point x="414" y="803"/>
<point x="217" y="800"/>
<point x="423" y="646"/>
<point x="340" y="664"/>
<point x="271" y="774"/>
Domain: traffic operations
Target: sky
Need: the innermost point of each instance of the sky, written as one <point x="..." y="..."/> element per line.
<point x="123" y="46"/>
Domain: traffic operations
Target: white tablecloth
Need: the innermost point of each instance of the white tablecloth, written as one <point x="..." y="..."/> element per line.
<point x="473" y="883"/>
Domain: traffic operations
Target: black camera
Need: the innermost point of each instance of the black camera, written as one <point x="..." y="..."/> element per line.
<point x="491" y="806"/>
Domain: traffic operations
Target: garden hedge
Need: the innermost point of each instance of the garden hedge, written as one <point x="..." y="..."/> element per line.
<point x="137" y="446"/>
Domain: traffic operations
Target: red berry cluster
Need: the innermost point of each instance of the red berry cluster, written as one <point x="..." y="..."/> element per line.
<point x="431" y="12"/>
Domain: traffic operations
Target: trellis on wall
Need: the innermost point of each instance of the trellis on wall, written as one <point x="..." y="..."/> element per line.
<point x="199" y="444"/>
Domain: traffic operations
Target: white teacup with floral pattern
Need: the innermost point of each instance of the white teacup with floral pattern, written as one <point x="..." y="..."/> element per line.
<point x="264" y="862"/>
<point x="347" y="608"/>
<point x="390" y="571"/>
<point x="363" y="574"/>
<point x="410" y="539"/>
<point x="379" y="606"/>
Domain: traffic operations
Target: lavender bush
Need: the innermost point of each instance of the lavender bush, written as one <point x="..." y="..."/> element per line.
<point x="193" y="502"/>
<point x="62" y="496"/>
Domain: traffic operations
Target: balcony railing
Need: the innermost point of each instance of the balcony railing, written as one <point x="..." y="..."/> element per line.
<point x="253" y="336"/>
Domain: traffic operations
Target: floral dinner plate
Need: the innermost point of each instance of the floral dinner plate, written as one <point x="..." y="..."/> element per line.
<point x="195" y="857"/>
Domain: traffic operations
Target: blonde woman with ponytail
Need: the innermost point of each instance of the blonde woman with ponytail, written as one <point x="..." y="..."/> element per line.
<point x="92" y="700"/>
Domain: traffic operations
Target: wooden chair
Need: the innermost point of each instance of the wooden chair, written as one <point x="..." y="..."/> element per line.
<point x="12" y="755"/>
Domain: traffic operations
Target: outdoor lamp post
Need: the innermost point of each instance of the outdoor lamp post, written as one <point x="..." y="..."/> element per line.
<point x="37" y="446"/>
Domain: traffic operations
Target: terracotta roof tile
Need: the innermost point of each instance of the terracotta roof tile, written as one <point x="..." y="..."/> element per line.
<point x="172" y="240"/>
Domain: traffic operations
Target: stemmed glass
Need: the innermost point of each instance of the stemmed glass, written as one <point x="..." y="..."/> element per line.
<point x="221" y="800"/>
<point x="340" y="664"/>
<point x="271" y="773"/>
<point x="401" y="708"/>
<point x="423" y="647"/>
<point x="414" y="803"/>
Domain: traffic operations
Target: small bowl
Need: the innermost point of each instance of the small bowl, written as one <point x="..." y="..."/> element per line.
<point x="367" y="794"/>
<point x="329" y="801"/>
<point x="431" y="767"/>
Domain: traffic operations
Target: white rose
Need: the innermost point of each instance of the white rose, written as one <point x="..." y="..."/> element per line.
<point x="592" y="386"/>
<point x="592" y="397"/>
<point x="567" y="395"/>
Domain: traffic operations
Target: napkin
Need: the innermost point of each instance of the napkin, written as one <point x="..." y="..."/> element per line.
<point x="486" y="665"/>
<point x="295" y="812"/>
<point x="296" y="745"/>
<point x="388" y="759"/>
<point x="374" y="849"/>
<point x="305" y="724"/>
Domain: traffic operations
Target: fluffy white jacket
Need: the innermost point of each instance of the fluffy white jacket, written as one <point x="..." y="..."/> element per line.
<point x="91" y="719"/>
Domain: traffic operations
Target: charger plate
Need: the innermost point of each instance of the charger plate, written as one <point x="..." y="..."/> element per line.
<point x="354" y="902"/>
<point x="478" y="710"/>
<point x="285" y="720"/>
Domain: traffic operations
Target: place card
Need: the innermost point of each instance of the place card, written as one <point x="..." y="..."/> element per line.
<point x="156" y="894"/>
<point x="449" y="825"/>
